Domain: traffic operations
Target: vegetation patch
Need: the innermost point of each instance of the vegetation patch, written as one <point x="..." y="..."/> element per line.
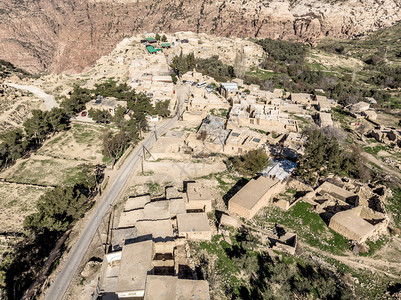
<point x="309" y="226"/>
<point x="238" y="267"/>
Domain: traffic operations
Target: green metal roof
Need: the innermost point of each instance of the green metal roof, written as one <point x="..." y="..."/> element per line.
<point x="166" y="45"/>
<point x="150" y="39"/>
<point x="152" y="49"/>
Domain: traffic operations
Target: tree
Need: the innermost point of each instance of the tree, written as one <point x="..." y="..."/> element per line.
<point x="100" y="116"/>
<point x="77" y="100"/>
<point x="13" y="147"/>
<point x="161" y="108"/>
<point x="250" y="163"/>
<point x="114" y="145"/>
<point x="323" y="154"/>
<point x="58" y="119"/>
<point x="119" y="116"/>
<point x="56" y="209"/>
<point x="164" y="38"/>
<point x="37" y="127"/>
<point x="111" y="88"/>
<point x="157" y="37"/>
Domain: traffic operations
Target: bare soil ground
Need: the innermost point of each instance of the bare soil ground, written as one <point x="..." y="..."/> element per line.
<point x="334" y="61"/>
<point x="42" y="170"/>
<point x="17" y="201"/>
<point x="387" y="119"/>
<point x="82" y="142"/>
<point x="14" y="110"/>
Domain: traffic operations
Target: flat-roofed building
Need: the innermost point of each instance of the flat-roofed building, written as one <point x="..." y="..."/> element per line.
<point x="324" y="119"/>
<point x="136" y="202"/>
<point x="194" y="226"/>
<point x="254" y="195"/>
<point x="359" y="223"/>
<point x="322" y="104"/>
<point x="172" y="288"/>
<point x="241" y="141"/>
<point x="228" y="89"/>
<point x="199" y="197"/>
<point x="337" y="192"/>
<point x="302" y="99"/>
<point x="109" y="104"/>
<point x="192" y="289"/>
<point x="155" y="210"/>
<point x="136" y="264"/>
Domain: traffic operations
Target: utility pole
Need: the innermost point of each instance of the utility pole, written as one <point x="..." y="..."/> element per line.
<point x="155" y="132"/>
<point x="143" y="158"/>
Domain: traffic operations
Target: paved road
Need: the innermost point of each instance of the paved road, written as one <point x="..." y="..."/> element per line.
<point x="63" y="279"/>
<point x="50" y="101"/>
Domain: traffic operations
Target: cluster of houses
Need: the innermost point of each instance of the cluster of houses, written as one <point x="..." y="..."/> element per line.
<point x="143" y="260"/>
<point x="354" y="210"/>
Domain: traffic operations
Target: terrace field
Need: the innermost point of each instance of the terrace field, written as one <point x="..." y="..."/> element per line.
<point x="82" y="142"/>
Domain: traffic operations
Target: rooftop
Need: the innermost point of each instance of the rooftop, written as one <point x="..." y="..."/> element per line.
<point x="253" y="191"/>
<point x="197" y="192"/>
<point x="353" y="222"/>
<point x="161" y="287"/>
<point x="281" y="169"/>
<point x="138" y="257"/>
<point x="334" y="190"/>
<point x="170" y="287"/>
<point x="193" y="222"/>
<point x="325" y="117"/>
<point x="158" y="231"/>
<point x="136" y="202"/>
<point x="230" y="86"/>
<point x="193" y="289"/>
<point x="177" y="206"/>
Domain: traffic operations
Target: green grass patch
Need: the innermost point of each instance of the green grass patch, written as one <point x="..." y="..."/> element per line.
<point x="309" y="226"/>
<point x="393" y="206"/>
<point x="374" y="246"/>
<point x="261" y="74"/>
<point x="154" y="188"/>
<point x="375" y="149"/>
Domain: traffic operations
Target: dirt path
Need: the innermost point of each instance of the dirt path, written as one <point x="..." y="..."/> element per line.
<point x="381" y="164"/>
<point x="362" y="262"/>
<point x="49" y="100"/>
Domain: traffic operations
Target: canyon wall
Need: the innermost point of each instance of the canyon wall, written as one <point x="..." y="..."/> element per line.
<point x="69" y="35"/>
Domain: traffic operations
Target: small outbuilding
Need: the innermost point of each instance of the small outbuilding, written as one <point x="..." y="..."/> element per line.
<point x="228" y="89"/>
<point x="324" y="119"/>
<point x="194" y="226"/>
<point x="254" y="195"/>
<point x="359" y="223"/>
<point x="199" y="197"/>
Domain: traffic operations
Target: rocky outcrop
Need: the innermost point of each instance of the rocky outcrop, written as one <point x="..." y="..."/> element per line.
<point x="69" y="35"/>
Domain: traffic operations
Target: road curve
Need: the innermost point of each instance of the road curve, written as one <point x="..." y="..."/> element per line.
<point x="50" y="101"/>
<point x="63" y="279"/>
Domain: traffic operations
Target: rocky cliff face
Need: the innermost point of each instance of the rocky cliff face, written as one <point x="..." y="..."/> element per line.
<point x="69" y="35"/>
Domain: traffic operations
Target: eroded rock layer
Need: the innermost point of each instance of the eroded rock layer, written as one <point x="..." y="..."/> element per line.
<point x="69" y="35"/>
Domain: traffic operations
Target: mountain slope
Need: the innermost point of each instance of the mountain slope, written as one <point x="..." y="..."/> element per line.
<point x="69" y="35"/>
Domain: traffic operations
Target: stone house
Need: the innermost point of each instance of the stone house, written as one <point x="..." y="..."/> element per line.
<point x="324" y="119"/>
<point x="198" y="197"/>
<point x="109" y="104"/>
<point x="359" y="223"/>
<point x="322" y="104"/>
<point x="256" y="194"/>
<point x="194" y="226"/>
<point x="229" y="89"/>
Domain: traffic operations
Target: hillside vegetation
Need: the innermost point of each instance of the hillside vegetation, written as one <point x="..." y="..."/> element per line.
<point x="347" y="70"/>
